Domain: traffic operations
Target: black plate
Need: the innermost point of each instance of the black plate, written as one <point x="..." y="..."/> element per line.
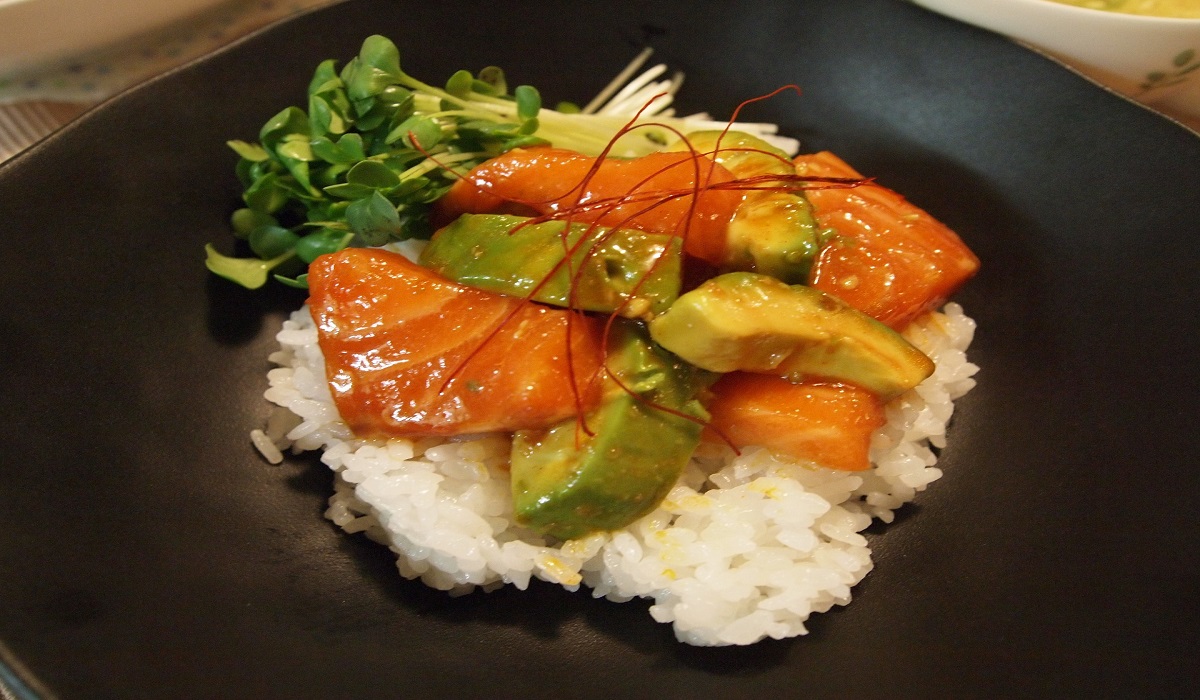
<point x="148" y="552"/>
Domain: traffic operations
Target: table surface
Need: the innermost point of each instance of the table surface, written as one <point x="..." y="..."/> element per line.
<point x="37" y="102"/>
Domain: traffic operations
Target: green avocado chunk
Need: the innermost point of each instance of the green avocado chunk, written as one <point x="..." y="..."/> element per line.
<point x="746" y="321"/>
<point x="773" y="230"/>
<point x="630" y="272"/>
<point x="567" y="483"/>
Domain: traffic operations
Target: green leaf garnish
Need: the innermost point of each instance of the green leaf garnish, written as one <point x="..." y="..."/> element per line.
<point x="374" y="219"/>
<point x="460" y="84"/>
<point x="416" y="131"/>
<point x="529" y="102"/>
<point x="298" y="282"/>
<point x="270" y="241"/>
<point x="372" y="173"/>
<point x="296" y="147"/>
<point x="265" y="194"/>
<point x="249" y="151"/>
<point x="316" y="244"/>
<point x="246" y="220"/>
<point x="251" y="273"/>
<point x="373" y="148"/>
<point x="491" y="82"/>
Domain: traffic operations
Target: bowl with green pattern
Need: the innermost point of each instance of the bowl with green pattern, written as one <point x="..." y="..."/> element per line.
<point x="1148" y="50"/>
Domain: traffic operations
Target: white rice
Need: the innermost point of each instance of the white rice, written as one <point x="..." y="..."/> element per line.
<point x="745" y="547"/>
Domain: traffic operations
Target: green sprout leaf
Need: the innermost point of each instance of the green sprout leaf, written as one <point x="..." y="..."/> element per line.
<point x="292" y="120"/>
<point x="298" y="282"/>
<point x="328" y="151"/>
<point x="251" y="273"/>
<point x="352" y="145"/>
<point x="325" y="78"/>
<point x="416" y="131"/>
<point x="528" y="127"/>
<point x="374" y="219"/>
<point x="460" y="84"/>
<point x="245" y="220"/>
<point x="376" y="67"/>
<point x="372" y="173"/>
<point x="266" y="194"/>
<point x="526" y="141"/>
<point x="250" y="151"/>
<point x="348" y="190"/>
<point x="316" y="244"/>
<point x="271" y="241"/>
<point x="295" y="147"/>
<point x="491" y="82"/>
<point x="529" y="102"/>
<point x="324" y="118"/>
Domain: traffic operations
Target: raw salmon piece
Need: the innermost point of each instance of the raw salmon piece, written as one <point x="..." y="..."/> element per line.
<point x="395" y="334"/>
<point x="826" y="423"/>
<point x="655" y="193"/>
<point x="890" y="259"/>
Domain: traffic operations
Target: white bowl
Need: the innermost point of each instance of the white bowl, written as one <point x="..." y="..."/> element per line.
<point x="1155" y="60"/>
<point x="40" y="32"/>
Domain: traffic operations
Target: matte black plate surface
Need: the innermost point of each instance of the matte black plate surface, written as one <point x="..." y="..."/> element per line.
<point x="146" y="551"/>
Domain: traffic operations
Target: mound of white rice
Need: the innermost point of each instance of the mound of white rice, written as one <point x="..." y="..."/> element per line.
<point x="744" y="547"/>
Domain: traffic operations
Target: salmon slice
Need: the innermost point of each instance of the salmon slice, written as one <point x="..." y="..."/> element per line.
<point x="826" y="423"/>
<point x="889" y="259"/>
<point x="656" y="193"/>
<point x="408" y="353"/>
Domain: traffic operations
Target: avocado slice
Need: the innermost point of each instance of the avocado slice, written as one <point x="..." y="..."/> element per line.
<point x="633" y="273"/>
<point x="773" y="230"/>
<point x="752" y="322"/>
<point x="567" y="483"/>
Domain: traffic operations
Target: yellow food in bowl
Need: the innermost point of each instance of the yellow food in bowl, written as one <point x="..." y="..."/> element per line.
<point x="1158" y="8"/>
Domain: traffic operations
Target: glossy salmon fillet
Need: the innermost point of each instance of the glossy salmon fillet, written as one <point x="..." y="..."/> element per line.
<point x="657" y="193"/>
<point x="826" y="423"/>
<point x="408" y="353"/>
<point x="890" y="259"/>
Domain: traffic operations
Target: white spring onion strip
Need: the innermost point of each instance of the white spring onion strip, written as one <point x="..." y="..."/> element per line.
<point x="624" y="97"/>
<point x="616" y="83"/>
<point x="641" y="93"/>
